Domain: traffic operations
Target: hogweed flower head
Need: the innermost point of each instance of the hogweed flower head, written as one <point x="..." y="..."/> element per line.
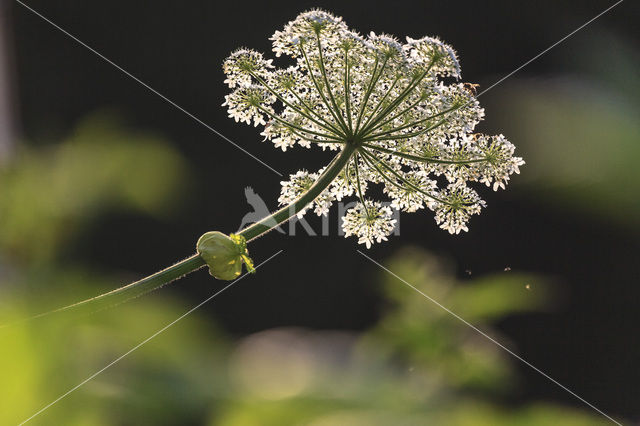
<point x="407" y="122"/>
<point x="393" y="112"/>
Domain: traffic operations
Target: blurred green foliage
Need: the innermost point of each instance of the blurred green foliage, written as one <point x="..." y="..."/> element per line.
<point x="48" y="194"/>
<point x="418" y="365"/>
<point x="580" y="133"/>
<point x="169" y="381"/>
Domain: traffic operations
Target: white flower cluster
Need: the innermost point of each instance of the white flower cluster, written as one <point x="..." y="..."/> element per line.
<point x="300" y="183"/>
<point x="410" y="124"/>
<point x="369" y="221"/>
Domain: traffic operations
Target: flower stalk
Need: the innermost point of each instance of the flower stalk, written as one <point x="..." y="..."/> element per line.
<point x="197" y="261"/>
<point x="284" y="214"/>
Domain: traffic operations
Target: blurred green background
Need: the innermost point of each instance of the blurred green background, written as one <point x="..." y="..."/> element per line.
<point x="102" y="182"/>
<point x="415" y="365"/>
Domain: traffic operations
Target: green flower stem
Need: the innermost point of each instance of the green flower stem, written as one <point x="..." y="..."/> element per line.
<point x="322" y="124"/>
<point x="347" y="89"/>
<point x="412" y="124"/>
<point x="375" y="118"/>
<point x="370" y="126"/>
<point x="403" y="136"/>
<point x="374" y="161"/>
<point x="375" y="76"/>
<point x="364" y="205"/>
<point x="195" y="262"/>
<point x="130" y="291"/>
<point x="286" y="123"/>
<point x="326" y="81"/>
<point x="423" y="159"/>
<point x="399" y="114"/>
<point x="374" y="112"/>
<point x="284" y="214"/>
<point x="301" y="136"/>
<point x="319" y="89"/>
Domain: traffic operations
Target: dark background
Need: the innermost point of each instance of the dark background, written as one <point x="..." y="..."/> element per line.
<point x="588" y="341"/>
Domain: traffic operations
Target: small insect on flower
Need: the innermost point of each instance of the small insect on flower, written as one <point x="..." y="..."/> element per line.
<point x="394" y="108"/>
<point x="472" y="88"/>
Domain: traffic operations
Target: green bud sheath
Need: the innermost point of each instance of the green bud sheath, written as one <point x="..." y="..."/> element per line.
<point x="224" y="254"/>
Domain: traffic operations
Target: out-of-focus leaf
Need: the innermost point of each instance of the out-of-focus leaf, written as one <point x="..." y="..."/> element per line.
<point x="48" y="194"/>
<point x="169" y="380"/>
<point x="579" y="135"/>
<point x="495" y="296"/>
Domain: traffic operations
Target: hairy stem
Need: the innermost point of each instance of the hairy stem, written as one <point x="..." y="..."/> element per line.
<point x="284" y="214"/>
<point x="195" y="262"/>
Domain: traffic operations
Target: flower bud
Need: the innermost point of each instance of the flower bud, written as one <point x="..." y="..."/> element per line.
<point x="224" y="254"/>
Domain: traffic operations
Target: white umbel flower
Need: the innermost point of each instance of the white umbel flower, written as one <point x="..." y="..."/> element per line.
<point x="371" y="224"/>
<point x="299" y="183"/>
<point x="409" y="130"/>
<point x="459" y="204"/>
<point x="250" y="103"/>
<point x="405" y="197"/>
<point x="500" y="164"/>
<point x="241" y="63"/>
